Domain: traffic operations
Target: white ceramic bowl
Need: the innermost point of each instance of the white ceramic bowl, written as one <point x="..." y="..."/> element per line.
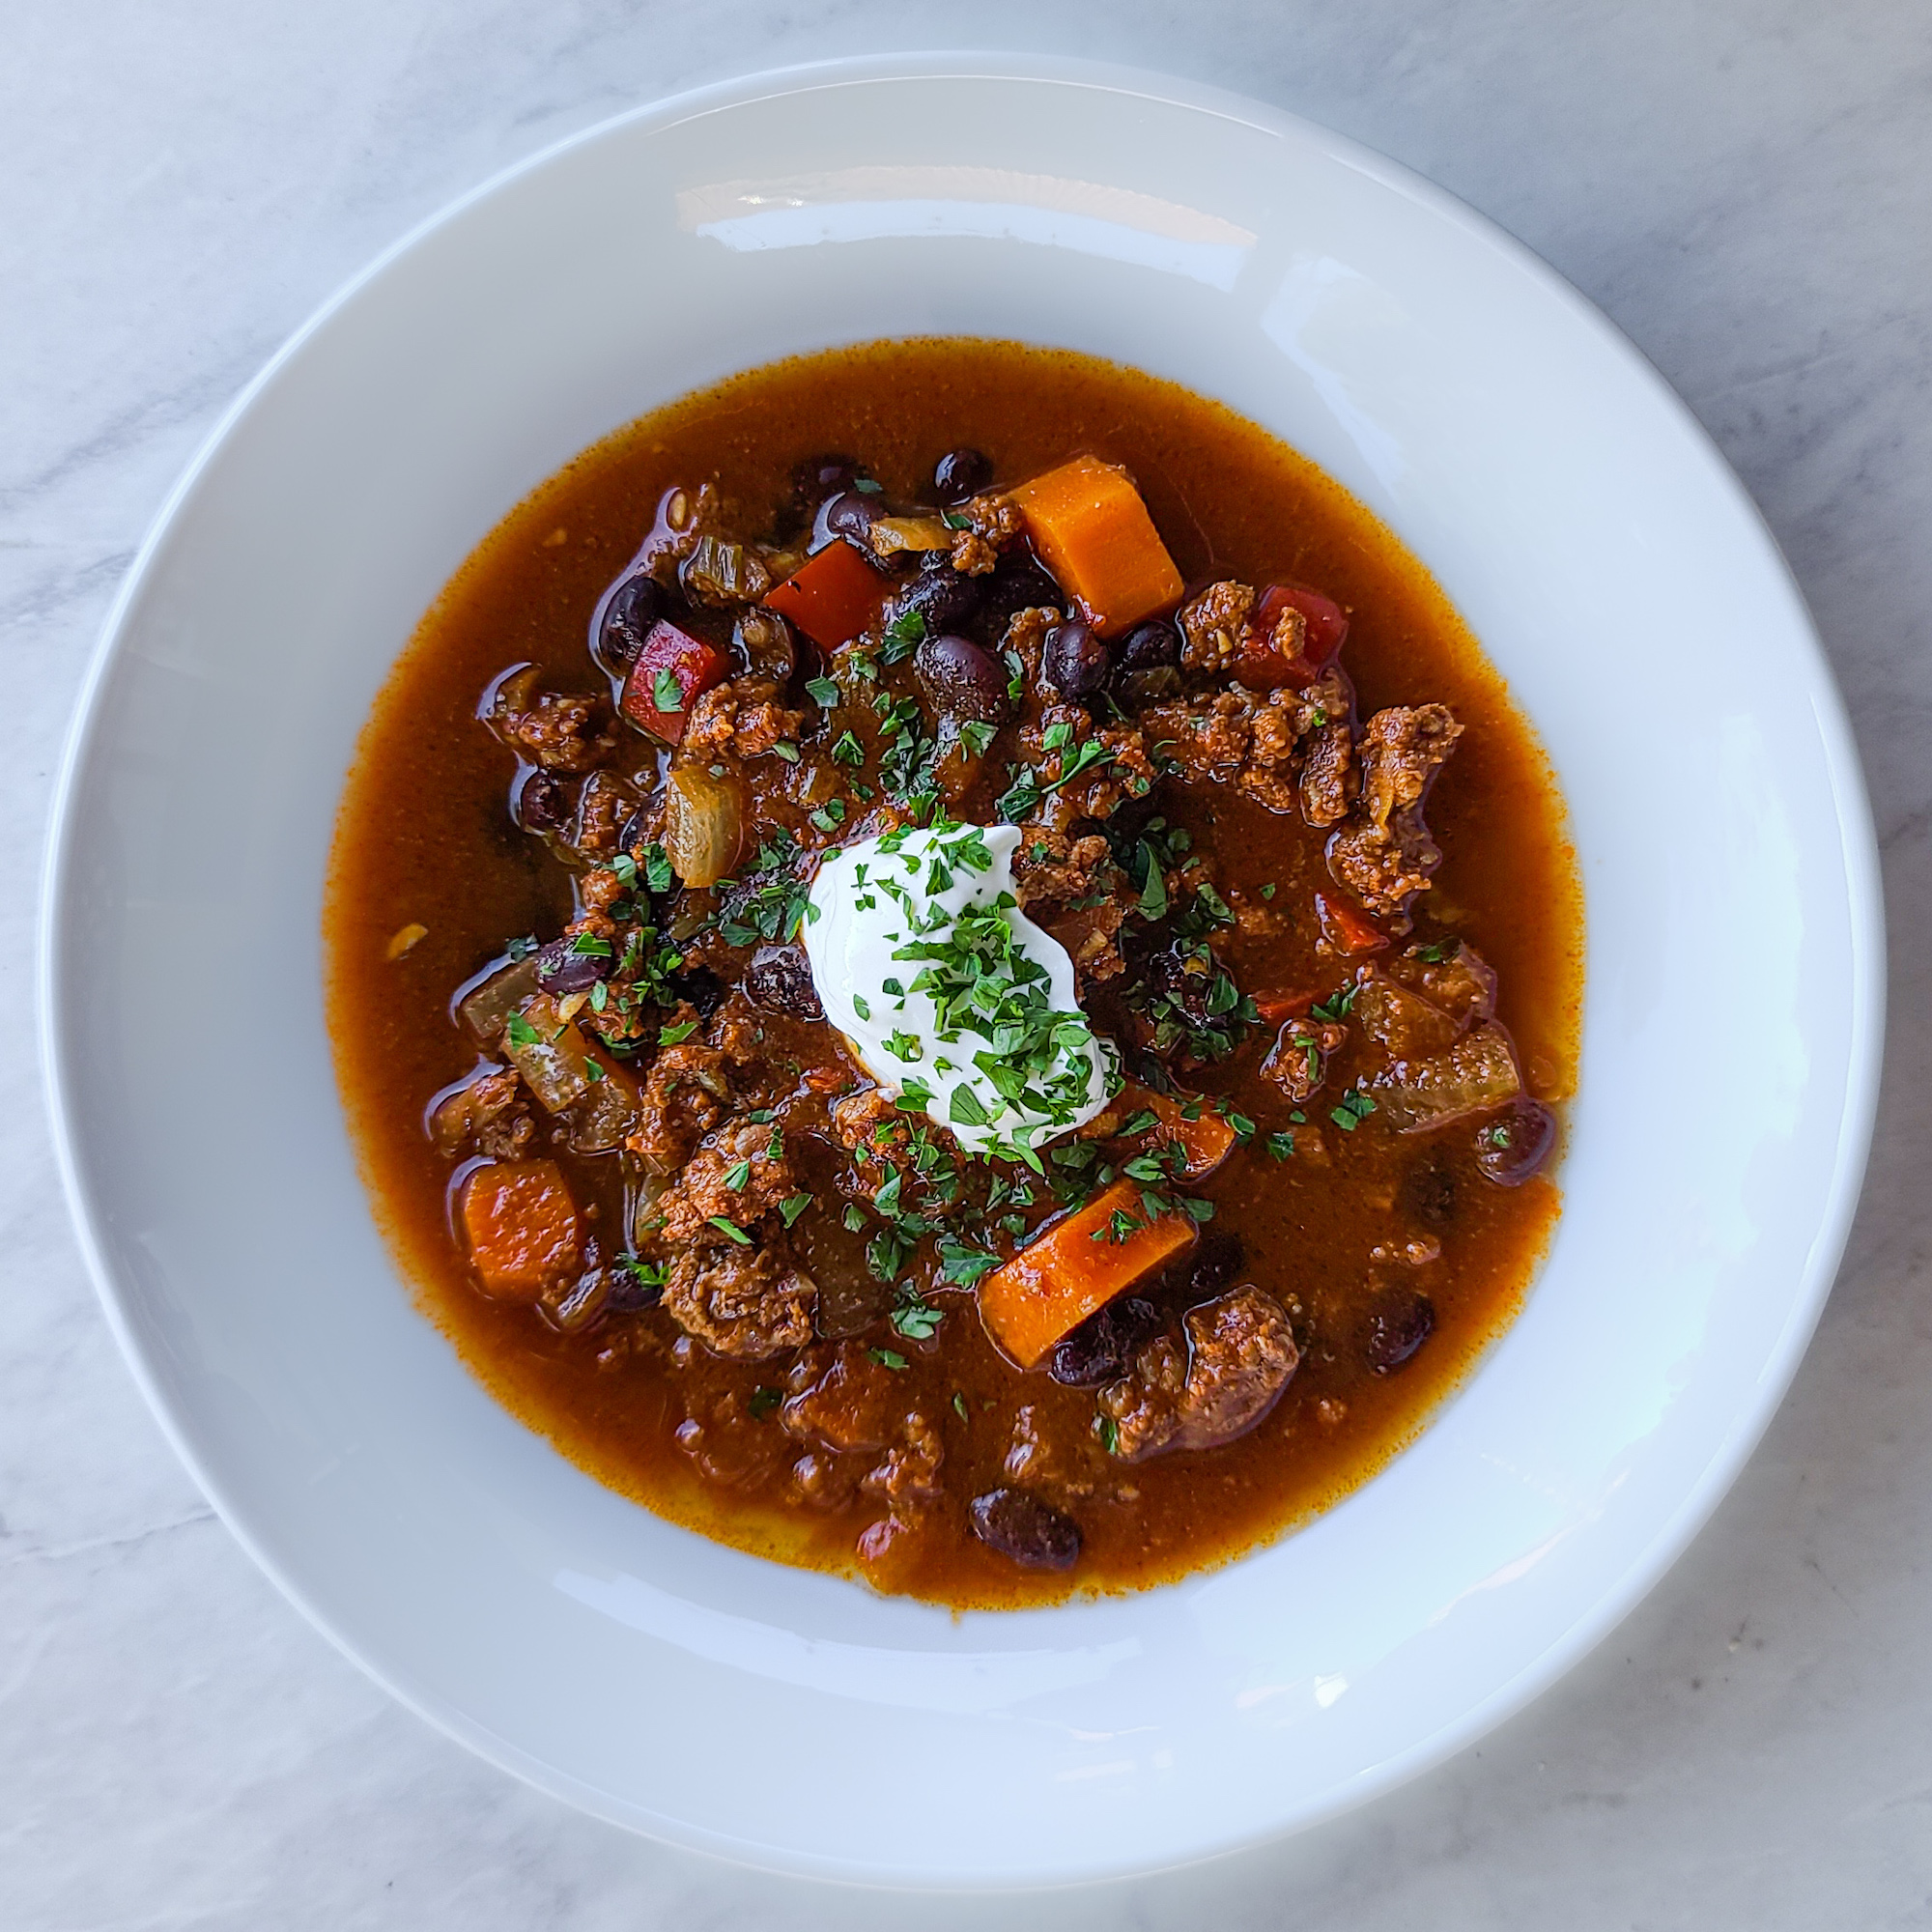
<point x="1573" y="510"/>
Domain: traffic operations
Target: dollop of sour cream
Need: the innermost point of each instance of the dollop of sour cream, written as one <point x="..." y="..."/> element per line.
<point x="956" y="1002"/>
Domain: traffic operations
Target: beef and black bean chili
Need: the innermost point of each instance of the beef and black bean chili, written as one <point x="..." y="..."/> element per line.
<point x="947" y="962"/>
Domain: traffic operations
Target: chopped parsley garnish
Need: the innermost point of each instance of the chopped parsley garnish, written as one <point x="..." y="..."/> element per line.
<point x="963" y="1266"/>
<point x="823" y="691"/>
<point x="847" y="749"/>
<point x="762" y="1402"/>
<point x="1438" y="949"/>
<point x="915" y="1317"/>
<point x="1354" y="1108"/>
<point x="903" y="636"/>
<point x="666" y="694"/>
<point x="787" y="751"/>
<point x="672" y="1035"/>
<point x="887" y="1358"/>
<point x="520" y="949"/>
<point x="736" y="1178"/>
<point x="726" y="1225"/>
<point x="1109" y="1432"/>
<point x="1336" y="1006"/>
<point x="521" y="1032"/>
<point x="646" y="1274"/>
<point x="587" y="945"/>
<point x="792" y="1206"/>
<point x="1280" y="1146"/>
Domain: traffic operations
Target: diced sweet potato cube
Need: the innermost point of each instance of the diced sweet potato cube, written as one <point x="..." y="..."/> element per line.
<point x="523" y="1228"/>
<point x="1093" y="534"/>
<point x="1078" y="1266"/>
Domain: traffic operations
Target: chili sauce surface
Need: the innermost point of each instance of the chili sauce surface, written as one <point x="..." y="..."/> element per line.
<point x="425" y="837"/>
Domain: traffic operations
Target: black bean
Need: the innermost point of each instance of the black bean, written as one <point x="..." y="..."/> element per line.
<point x="1216" y="1261"/>
<point x="766" y="641"/>
<point x="1016" y="583"/>
<point x="1510" y="1146"/>
<point x="1399" y="1324"/>
<point x="633" y="608"/>
<point x="849" y="514"/>
<point x="562" y="969"/>
<point x="703" y="987"/>
<point x="1177" y="973"/>
<point x="963" y="679"/>
<point x="1145" y="686"/>
<point x="1428" y="1190"/>
<point x="1103" y="1346"/>
<point x="1073" y="660"/>
<point x="961" y="474"/>
<point x="542" y="804"/>
<point x="944" y="597"/>
<point x="779" y="979"/>
<point x="818" y="477"/>
<point x="627" y="1295"/>
<point x="1149" y="646"/>
<point x="1033" y="1534"/>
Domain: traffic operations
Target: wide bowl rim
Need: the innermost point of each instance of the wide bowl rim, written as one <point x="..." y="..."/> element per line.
<point x="1856" y="841"/>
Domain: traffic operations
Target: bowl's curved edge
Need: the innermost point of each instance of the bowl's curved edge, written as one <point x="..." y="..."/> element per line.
<point x="1864" y="909"/>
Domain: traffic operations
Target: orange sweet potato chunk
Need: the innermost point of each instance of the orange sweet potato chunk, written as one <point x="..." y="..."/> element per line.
<point x="1093" y="534"/>
<point x="1078" y="1266"/>
<point x="523" y="1228"/>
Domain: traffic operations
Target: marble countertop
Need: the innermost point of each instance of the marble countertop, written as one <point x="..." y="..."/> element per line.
<point x="1746" y="186"/>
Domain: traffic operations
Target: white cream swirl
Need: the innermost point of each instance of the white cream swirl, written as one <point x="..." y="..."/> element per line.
<point x="956" y="1002"/>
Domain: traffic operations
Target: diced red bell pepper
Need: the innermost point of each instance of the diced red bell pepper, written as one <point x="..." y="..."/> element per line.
<point x="692" y="668"/>
<point x="1263" y="666"/>
<point x="1274" y="1007"/>
<point x="1346" y="929"/>
<point x="831" y="596"/>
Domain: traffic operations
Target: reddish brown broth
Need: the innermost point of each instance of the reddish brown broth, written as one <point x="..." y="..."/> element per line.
<point x="424" y="838"/>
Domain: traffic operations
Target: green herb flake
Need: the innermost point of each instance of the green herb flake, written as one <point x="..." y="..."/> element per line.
<point x="915" y="1317"/>
<point x="1354" y="1108"/>
<point x="887" y="1358"/>
<point x="666" y="694"/>
<point x="963" y="1266"/>
<point x="736" y="1178"/>
<point x="792" y="1206"/>
<point x="823" y="691"/>
<point x="1109" y="1432"/>
<point x="1336" y="1006"/>
<point x="672" y="1035"/>
<point x="726" y="1225"/>
<point x="1280" y="1146"/>
<point x="763" y="1401"/>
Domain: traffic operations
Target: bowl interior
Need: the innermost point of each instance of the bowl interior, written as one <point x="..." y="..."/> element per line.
<point x="1574" y="513"/>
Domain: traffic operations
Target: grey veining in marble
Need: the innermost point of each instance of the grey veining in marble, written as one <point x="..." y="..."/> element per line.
<point x="1745" y="185"/>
